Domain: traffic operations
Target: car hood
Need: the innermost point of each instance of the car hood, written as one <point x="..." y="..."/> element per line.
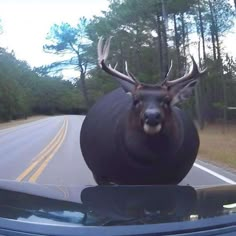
<point x="113" y="205"/>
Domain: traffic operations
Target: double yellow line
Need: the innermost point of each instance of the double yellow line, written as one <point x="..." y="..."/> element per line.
<point x="42" y="159"/>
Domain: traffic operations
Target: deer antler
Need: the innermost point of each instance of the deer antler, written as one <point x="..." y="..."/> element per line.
<point x="193" y="73"/>
<point x="103" y="52"/>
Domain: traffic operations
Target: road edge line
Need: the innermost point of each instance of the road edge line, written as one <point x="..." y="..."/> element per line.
<point x="219" y="176"/>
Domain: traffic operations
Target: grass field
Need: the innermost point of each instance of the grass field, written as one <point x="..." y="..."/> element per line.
<point x="218" y="145"/>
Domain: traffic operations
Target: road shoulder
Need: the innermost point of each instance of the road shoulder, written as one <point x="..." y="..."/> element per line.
<point x="14" y="123"/>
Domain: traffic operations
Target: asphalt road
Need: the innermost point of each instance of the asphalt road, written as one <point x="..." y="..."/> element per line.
<point x="48" y="152"/>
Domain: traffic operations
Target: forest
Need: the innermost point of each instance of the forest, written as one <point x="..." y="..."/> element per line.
<point x="148" y="35"/>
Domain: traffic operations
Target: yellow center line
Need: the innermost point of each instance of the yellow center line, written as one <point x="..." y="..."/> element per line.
<point x="50" y="146"/>
<point x="39" y="171"/>
<point x="42" y="155"/>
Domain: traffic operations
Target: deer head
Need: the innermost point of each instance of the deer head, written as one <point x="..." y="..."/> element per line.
<point x="151" y="103"/>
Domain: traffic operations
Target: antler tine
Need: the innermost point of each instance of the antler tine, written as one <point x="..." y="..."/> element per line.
<point x="167" y="78"/>
<point x="134" y="78"/>
<point x="126" y="68"/>
<point x="193" y="73"/>
<point x="99" y="51"/>
<point x="130" y="74"/>
<point x="106" y="48"/>
<point x="116" y="65"/>
<point x="170" y="70"/>
<point x="103" y="52"/>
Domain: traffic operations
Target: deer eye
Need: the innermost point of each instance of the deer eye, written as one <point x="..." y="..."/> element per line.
<point x="162" y="103"/>
<point x="165" y="102"/>
<point x="136" y="102"/>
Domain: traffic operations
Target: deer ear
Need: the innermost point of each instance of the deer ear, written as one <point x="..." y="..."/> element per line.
<point x="180" y="93"/>
<point x="127" y="86"/>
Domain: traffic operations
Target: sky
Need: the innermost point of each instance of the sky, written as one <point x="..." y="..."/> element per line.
<point x="26" y="23"/>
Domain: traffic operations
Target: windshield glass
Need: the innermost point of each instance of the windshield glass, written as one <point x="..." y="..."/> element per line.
<point x="117" y="112"/>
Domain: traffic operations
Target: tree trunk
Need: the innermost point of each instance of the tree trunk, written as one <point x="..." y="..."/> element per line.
<point x="183" y="33"/>
<point x="215" y="33"/>
<point x="176" y="38"/>
<point x="225" y="103"/>
<point x="212" y="30"/>
<point x="138" y="65"/>
<point x="82" y="68"/>
<point x="202" y="32"/>
<point x="198" y="97"/>
<point x="218" y="46"/>
<point x="213" y="43"/>
<point x="84" y="89"/>
<point x="165" y="43"/>
<point x="217" y="41"/>
<point x="121" y="61"/>
<point x="160" y="48"/>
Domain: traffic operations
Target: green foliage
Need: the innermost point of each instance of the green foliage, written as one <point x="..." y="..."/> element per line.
<point x="23" y="92"/>
<point x="138" y="26"/>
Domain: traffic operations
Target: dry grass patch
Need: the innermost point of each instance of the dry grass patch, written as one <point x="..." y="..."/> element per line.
<point x="218" y="146"/>
<point x="13" y="123"/>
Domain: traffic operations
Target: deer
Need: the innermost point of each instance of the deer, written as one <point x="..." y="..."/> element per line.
<point x="137" y="134"/>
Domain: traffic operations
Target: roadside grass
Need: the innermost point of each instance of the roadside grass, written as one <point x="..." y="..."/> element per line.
<point x="5" y="125"/>
<point x="218" y="146"/>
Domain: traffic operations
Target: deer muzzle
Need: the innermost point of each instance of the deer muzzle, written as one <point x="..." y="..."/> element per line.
<point x="152" y="121"/>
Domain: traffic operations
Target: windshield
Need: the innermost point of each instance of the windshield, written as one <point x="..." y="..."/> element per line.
<point x="117" y="112"/>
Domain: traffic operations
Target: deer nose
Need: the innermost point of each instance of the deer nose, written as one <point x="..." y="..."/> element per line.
<point x="152" y="117"/>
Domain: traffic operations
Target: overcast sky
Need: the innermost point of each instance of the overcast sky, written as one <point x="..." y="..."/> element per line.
<point x="27" y="22"/>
